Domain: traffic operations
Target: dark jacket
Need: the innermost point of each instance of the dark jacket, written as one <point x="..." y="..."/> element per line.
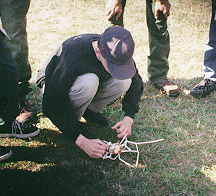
<point x="77" y="58"/>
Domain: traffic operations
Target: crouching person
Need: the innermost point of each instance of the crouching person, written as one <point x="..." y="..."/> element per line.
<point x="82" y="76"/>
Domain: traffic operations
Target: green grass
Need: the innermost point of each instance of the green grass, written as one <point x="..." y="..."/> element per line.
<point x="183" y="164"/>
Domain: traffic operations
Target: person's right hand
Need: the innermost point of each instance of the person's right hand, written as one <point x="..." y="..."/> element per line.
<point x="113" y="7"/>
<point x="95" y="148"/>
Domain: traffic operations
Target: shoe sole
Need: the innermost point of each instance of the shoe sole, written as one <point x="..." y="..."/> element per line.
<point x="172" y="94"/>
<point x="20" y="135"/>
<point x="6" y="156"/>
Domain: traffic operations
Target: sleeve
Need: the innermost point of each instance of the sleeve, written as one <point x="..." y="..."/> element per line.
<point x="132" y="97"/>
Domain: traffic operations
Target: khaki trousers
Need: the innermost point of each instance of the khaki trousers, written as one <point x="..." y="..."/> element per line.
<point x="87" y="91"/>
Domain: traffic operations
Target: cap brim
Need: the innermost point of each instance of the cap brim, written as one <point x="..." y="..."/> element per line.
<point x="122" y="72"/>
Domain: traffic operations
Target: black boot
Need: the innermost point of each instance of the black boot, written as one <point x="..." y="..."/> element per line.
<point x="95" y="118"/>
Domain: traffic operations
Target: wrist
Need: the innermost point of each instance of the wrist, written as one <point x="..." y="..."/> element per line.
<point x="80" y="140"/>
<point x="129" y="119"/>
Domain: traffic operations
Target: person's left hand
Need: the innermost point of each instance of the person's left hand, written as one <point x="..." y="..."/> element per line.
<point x="163" y="6"/>
<point x="124" y="127"/>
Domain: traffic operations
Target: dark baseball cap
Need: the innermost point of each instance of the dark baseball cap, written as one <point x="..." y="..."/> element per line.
<point x="117" y="47"/>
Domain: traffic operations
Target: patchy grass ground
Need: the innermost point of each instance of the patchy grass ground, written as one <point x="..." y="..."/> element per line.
<point x="183" y="164"/>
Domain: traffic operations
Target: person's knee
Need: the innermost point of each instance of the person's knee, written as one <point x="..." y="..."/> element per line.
<point x="124" y="85"/>
<point x="86" y="85"/>
<point x="91" y="84"/>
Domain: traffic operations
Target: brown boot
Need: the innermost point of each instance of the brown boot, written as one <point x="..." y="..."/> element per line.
<point x="168" y="88"/>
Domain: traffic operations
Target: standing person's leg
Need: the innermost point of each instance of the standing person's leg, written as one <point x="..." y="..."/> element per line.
<point x="8" y="85"/>
<point x="9" y="99"/>
<point x="8" y="92"/>
<point x="208" y="84"/>
<point x="159" y="44"/>
<point x="89" y="97"/>
<point x="13" y="17"/>
<point x="210" y="49"/>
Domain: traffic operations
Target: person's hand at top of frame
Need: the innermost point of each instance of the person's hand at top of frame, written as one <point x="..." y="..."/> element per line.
<point x="95" y="148"/>
<point x="163" y="6"/>
<point x="113" y="7"/>
<point x="124" y="127"/>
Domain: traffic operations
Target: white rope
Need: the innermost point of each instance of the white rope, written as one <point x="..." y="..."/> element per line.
<point x="122" y="147"/>
<point x="149" y="142"/>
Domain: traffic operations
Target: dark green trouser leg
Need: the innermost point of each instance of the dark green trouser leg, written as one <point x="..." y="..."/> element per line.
<point x="13" y="17"/>
<point x="159" y="45"/>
